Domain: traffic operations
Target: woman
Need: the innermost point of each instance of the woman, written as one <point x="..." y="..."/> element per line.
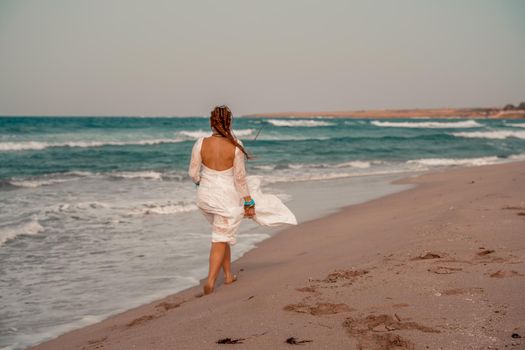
<point x="225" y="194"/>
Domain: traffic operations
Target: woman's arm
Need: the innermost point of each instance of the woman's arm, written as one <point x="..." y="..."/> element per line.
<point x="194" y="169"/>
<point x="239" y="179"/>
<point x="239" y="174"/>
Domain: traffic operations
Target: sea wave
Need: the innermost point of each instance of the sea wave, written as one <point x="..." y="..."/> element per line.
<point x="75" y="208"/>
<point x="495" y="134"/>
<point x="454" y="161"/>
<point x="36" y="183"/>
<point x="25" y="228"/>
<point x="517" y="125"/>
<point x="57" y="178"/>
<point x="47" y="179"/>
<point x="195" y="134"/>
<point x="150" y="175"/>
<point x="354" y="164"/>
<point x="328" y="176"/>
<point x="39" y="145"/>
<point x="164" y="208"/>
<point x="300" y="123"/>
<point x="429" y="125"/>
<point x="359" y="164"/>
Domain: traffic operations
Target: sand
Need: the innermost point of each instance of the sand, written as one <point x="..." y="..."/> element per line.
<point x="474" y="113"/>
<point x="438" y="266"/>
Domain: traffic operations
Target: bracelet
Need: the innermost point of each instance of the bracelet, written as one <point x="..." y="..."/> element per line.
<point x="249" y="204"/>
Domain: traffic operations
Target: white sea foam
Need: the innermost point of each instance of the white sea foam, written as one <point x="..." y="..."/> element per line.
<point x="26" y="228"/>
<point x="430" y="125"/>
<point x="327" y="176"/>
<point x="76" y="207"/>
<point x="48" y="179"/>
<point x="300" y="122"/>
<point x="360" y="164"/>
<point x="265" y="167"/>
<point x="454" y="161"/>
<point x="517" y="125"/>
<point x="243" y="132"/>
<point x="354" y="164"/>
<point x="57" y="178"/>
<point x="150" y="175"/>
<point x="37" y="145"/>
<point x="272" y="137"/>
<point x="202" y="133"/>
<point x="164" y="208"/>
<point x="36" y="183"/>
<point x="195" y="134"/>
<point x="495" y="134"/>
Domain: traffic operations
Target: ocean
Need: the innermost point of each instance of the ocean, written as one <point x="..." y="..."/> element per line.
<point x="97" y="214"/>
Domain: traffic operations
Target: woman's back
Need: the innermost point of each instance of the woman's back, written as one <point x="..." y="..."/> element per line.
<point x="217" y="153"/>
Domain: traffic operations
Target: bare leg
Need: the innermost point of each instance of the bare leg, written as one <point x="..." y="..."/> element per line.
<point x="227" y="266"/>
<point x="217" y="253"/>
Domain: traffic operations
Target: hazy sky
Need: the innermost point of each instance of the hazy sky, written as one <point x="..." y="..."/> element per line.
<point x="156" y="57"/>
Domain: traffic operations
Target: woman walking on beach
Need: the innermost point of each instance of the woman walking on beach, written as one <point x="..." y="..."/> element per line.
<point x="225" y="194"/>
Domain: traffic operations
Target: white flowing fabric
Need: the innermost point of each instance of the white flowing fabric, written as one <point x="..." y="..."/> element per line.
<point x="220" y="197"/>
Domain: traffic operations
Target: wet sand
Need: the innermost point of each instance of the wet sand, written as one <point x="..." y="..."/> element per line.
<point x="437" y="266"/>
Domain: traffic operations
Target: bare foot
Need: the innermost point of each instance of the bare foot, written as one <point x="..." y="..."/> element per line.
<point x="207" y="289"/>
<point x="230" y="278"/>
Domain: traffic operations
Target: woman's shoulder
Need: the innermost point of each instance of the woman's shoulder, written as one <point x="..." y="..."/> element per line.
<point x="198" y="142"/>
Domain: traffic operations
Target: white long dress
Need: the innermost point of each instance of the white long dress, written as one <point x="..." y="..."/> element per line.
<point x="220" y="197"/>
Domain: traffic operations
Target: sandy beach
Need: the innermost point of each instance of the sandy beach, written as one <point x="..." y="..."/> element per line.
<point x="437" y="266"/>
<point x="472" y="113"/>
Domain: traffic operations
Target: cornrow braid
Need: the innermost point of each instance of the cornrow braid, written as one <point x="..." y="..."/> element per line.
<point x="220" y="120"/>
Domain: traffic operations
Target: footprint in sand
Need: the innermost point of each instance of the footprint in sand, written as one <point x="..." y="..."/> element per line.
<point x="376" y="331"/>
<point x="141" y="320"/>
<point x="400" y="305"/>
<point x="165" y="305"/>
<point x="162" y="307"/>
<point x="444" y="270"/>
<point x="428" y="255"/>
<point x="505" y="273"/>
<point x="318" y="309"/>
<point x="460" y="291"/>
<point x="96" y="343"/>
<point x="342" y="275"/>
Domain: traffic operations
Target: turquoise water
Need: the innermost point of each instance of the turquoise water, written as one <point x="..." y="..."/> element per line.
<point x="32" y="146"/>
<point x="97" y="215"/>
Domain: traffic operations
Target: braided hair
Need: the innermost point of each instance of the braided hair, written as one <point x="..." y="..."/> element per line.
<point x="220" y="121"/>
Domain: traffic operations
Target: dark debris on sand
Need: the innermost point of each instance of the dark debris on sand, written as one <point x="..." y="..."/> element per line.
<point x="294" y="341"/>
<point x="230" y="341"/>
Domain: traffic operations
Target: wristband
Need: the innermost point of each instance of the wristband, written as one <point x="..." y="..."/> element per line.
<point x="251" y="203"/>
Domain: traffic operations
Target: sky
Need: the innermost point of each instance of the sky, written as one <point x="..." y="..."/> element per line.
<point x="170" y="57"/>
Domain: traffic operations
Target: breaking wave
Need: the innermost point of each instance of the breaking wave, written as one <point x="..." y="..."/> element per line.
<point x="429" y="125"/>
<point x="496" y="134"/>
<point x="39" y="145"/>
<point x="26" y="228"/>
<point x="300" y="123"/>
<point x="195" y="134"/>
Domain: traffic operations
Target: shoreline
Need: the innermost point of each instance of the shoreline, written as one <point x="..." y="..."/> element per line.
<point x="269" y="277"/>
<point x="349" y="190"/>
<point x="410" y="113"/>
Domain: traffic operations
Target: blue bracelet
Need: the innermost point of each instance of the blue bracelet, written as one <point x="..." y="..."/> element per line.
<point x="250" y="203"/>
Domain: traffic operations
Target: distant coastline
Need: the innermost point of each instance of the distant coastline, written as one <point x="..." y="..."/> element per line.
<point x="473" y="113"/>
